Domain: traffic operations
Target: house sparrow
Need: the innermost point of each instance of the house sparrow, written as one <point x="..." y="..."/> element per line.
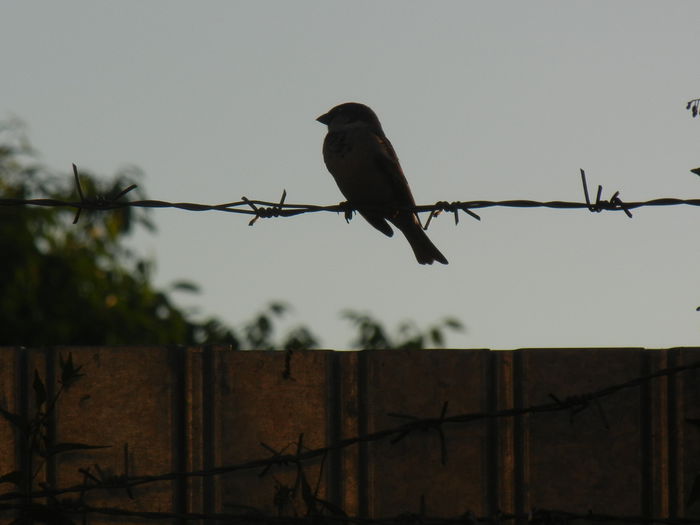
<point x="367" y="171"/>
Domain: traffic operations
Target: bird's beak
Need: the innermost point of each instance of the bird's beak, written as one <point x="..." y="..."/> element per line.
<point x="324" y="119"/>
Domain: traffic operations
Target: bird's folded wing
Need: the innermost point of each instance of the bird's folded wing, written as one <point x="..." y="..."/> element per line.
<point x="388" y="163"/>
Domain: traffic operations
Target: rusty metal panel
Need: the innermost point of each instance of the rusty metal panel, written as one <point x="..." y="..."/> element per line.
<point x="507" y="433"/>
<point x="634" y="452"/>
<point x="196" y="412"/>
<point x="409" y="475"/>
<point x="10" y="400"/>
<point x="592" y="459"/>
<point x="351" y="423"/>
<point x="266" y="403"/>
<point x="127" y="399"/>
<point x="684" y="424"/>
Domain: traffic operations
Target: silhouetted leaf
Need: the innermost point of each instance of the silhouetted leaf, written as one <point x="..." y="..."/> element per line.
<point x="454" y="324"/>
<point x="436" y="336"/>
<point x="71" y="447"/>
<point x="15" y="477"/>
<point x="278" y="308"/>
<point x="299" y="338"/>
<point x="696" y="171"/>
<point x="185" y="286"/>
<point x="307" y="494"/>
<point x="405" y="328"/>
<point x="69" y="372"/>
<point x="15" y="419"/>
<point x="39" y="389"/>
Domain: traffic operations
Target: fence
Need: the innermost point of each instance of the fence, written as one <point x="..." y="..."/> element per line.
<point x="267" y="209"/>
<point x="435" y="436"/>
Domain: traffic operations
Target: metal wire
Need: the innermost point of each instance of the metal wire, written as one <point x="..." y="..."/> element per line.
<point x="267" y="209"/>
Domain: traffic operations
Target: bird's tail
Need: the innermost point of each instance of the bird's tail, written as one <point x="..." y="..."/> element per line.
<point x="423" y="248"/>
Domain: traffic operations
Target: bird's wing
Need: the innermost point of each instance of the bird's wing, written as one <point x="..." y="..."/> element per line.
<point x="388" y="163"/>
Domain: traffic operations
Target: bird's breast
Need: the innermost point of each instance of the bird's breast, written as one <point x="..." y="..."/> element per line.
<point x="351" y="157"/>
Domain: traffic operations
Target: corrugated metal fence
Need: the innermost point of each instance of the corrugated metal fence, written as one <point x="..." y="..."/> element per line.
<point x="432" y="433"/>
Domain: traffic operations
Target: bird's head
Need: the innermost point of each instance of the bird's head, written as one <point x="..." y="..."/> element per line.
<point x="350" y="115"/>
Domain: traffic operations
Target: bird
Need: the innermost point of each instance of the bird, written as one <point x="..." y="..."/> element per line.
<point x="367" y="171"/>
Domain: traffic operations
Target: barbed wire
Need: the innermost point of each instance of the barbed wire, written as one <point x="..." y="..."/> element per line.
<point x="260" y="209"/>
<point x="573" y="403"/>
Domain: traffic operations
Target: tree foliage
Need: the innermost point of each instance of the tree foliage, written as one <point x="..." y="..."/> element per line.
<point x="79" y="284"/>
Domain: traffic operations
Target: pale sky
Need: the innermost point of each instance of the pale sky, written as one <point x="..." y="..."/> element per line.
<point x="482" y="100"/>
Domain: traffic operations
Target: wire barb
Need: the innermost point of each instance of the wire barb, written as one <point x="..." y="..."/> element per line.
<point x="271" y="211"/>
<point x="417" y="423"/>
<point x="615" y="203"/>
<point x="80" y="193"/>
<point x="448" y="207"/>
<point x="98" y="203"/>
